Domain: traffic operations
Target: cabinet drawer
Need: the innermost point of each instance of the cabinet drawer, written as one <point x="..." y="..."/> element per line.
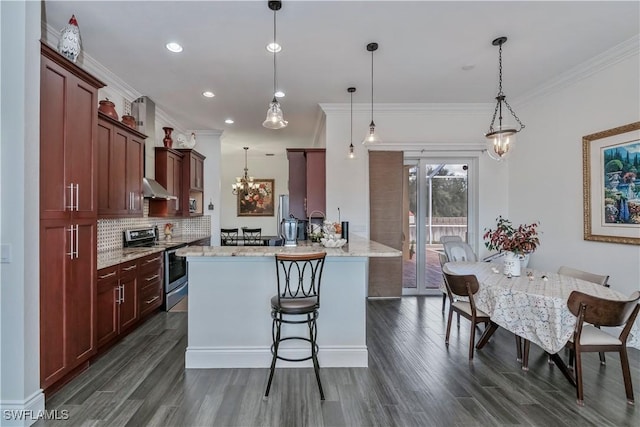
<point x="150" y="298"/>
<point x="151" y="262"/>
<point x="149" y="279"/>
<point x="129" y="268"/>
<point x="108" y="274"/>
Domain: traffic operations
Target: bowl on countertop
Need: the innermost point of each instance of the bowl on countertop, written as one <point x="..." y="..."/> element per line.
<point x="333" y="243"/>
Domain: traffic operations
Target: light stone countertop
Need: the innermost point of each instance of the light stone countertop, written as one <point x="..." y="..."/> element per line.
<point x="356" y="247"/>
<point x="113" y="257"/>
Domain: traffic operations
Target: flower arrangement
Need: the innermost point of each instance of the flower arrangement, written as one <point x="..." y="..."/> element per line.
<point x="521" y="240"/>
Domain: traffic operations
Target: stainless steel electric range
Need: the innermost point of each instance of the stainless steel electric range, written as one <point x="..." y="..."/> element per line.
<point x="175" y="267"/>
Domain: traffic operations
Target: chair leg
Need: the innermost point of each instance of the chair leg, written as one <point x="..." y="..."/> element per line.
<point x="444" y="301"/>
<point x="518" y="348"/>
<point x="571" y="356"/>
<point x="578" y="371"/>
<point x="472" y="339"/>
<point x="276" y="344"/>
<point x="314" y="355"/>
<point x="525" y="354"/>
<point x="446" y="337"/>
<point x="626" y="374"/>
<point x="603" y="361"/>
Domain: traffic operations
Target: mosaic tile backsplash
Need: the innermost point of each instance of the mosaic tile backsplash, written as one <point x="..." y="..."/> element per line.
<point x="110" y="230"/>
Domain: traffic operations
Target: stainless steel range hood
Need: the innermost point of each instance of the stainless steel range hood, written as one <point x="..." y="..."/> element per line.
<point x="153" y="190"/>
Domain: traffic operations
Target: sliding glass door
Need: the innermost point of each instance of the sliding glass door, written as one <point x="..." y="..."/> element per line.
<point x="437" y="201"/>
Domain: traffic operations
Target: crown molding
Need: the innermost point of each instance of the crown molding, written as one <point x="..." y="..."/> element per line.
<point x="114" y="83"/>
<point x="321" y="119"/>
<point x="608" y="58"/>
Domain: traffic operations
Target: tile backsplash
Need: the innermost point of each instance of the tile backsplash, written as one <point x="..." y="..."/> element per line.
<point x="110" y="230"/>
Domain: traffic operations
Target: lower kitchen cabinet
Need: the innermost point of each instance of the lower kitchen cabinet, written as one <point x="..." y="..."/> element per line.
<point x="127" y="292"/>
<point x="67" y="295"/>
<point x="150" y="285"/>
<point x="117" y="308"/>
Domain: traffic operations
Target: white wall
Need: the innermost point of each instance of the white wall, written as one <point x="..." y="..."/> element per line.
<point x="208" y="144"/>
<point x="439" y="130"/>
<point x="545" y="172"/>
<point x="19" y="217"/>
<point x="260" y="166"/>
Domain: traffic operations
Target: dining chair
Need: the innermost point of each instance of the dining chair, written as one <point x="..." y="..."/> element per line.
<point x="464" y="286"/>
<point x="228" y="236"/>
<point x="252" y="236"/>
<point x="459" y="251"/>
<point x="443" y="260"/>
<point x="587" y="338"/>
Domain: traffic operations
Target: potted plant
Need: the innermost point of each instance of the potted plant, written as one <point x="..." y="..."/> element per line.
<point x="518" y="241"/>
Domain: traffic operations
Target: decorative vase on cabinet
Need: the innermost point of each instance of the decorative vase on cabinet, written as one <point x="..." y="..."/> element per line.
<point x="167" y="141"/>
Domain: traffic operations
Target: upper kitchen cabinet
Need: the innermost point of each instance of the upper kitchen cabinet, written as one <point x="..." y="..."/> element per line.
<point x="193" y="183"/>
<point x="169" y="163"/>
<point x="120" y="169"/>
<point x="307" y="184"/>
<point x="68" y="117"/>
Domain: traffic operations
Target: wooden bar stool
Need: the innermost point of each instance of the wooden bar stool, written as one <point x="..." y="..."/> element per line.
<point x="297" y="302"/>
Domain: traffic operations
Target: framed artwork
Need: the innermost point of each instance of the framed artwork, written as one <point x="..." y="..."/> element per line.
<point x="259" y="200"/>
<point x="611" y="172"/>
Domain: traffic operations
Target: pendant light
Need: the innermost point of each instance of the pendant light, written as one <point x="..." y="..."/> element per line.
<point x="244" y="184"/>
<point x="275" y="119"/>
<point x="500" y="139"/>
<point x="372" y="137"/>
<point x="351" y="148"/>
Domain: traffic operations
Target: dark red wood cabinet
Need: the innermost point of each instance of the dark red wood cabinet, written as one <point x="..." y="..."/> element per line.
<point x="68" y="216"/>
<point x="307" y="184"/>
<point x="120" y="169"/>
<point x="193" y="182"/>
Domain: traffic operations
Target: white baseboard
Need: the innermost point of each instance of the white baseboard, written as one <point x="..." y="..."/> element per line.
<point x="260" y="357"/>
<point x="22" y="413"/>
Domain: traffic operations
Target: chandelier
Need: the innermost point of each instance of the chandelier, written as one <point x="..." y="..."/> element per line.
<point x="500" y="139"/>
<point x="275" y="118"/>
<point x="244" y="184"/>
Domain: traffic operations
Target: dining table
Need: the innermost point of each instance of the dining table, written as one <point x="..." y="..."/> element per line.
<point x="533" y="305"/>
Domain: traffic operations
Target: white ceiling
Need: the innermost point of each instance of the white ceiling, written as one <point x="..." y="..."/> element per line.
<point x="423" y="48"/>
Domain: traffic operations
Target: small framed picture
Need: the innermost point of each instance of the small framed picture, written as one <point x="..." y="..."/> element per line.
<point x="258" y="200"/>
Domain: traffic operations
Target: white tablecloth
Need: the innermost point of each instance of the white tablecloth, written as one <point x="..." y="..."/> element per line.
<point x="533" y="309"/>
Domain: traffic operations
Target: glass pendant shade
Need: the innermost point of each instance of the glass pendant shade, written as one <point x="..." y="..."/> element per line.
<point x="372" y="137"/>
<point x="275" y="119"/>
<point x="351" y="153"/>
<point x="500" y="142"/>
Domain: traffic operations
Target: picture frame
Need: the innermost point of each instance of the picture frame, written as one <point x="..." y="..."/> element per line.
<point x="259" y="202"/>
<point x="611" y="185"/>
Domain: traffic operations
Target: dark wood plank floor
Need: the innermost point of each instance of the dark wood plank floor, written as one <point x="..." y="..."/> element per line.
<point x="412" y="380"/>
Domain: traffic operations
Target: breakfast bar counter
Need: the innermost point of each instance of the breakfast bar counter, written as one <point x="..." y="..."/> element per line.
<point x="229" y="314"/>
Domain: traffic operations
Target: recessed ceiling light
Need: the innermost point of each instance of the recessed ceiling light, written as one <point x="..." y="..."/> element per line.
<point x="174" y="47"/>
<point x="274" y="47"/>
<point x="208" y="94"/>
<point x="279" y="94"/>
<point x="229" y="121"/>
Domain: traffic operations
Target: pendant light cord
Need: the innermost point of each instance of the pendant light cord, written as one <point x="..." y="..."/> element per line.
<point x="351" y="139"/>
<point x="372" y="87"/>
<point x="275" y="85"/>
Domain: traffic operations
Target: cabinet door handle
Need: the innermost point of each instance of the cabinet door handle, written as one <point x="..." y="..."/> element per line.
<point x="155" y="276"/>
<point x="177" y="204"/>
<point x="130" y="268"/>
<point x="71" y="241"/>
<point x="113" y="273"/>
<point x="71" y="190"/>
<point x="122" y="300"/>
<point x="149" y="301"/>
<point x="77" y="242"/>
<point x="152" y="260"/>
<point x="77" y="196"/>
<point x="118" y="299"/>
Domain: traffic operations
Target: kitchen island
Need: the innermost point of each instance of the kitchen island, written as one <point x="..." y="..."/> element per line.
<point x="229" y="315"/>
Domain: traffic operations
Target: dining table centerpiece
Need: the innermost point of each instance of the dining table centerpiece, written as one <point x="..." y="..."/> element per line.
<point x="518" y="242"/>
